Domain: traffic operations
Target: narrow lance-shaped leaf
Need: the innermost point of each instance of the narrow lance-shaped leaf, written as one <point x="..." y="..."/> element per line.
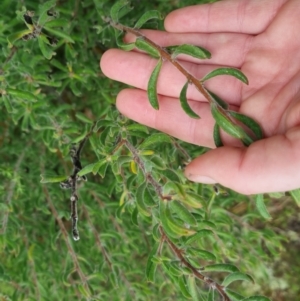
<point x="250" y="123"/>
<point x="46" y="179"/>
<point x="237" y="276"/>
<point x="151" y="14"/>
<point x="217" y="136"/>
<point x="226" y="71"/>
<point x="119" y="40"/>
<point x="193" y="288"/>
<point x="211" y="295"/>
<point x="184" y="103"/>
<point x="152" y="86"/>
<point x="12" y="38"/>
<point x="43" y="11"/>
<point x="60" y="34"/>
<point x="44" y="47"/>
<point x="191" y="50"/>
<point x="142" y="44"/>
<point x="228" y="125"/>
<point x="115" y="11"/>
<point x="140" y="200"/>
<point x="221" y="268"/>
<point x="199" y="235"/>
<point x="183" y="287"/>
<point x="21" y="94"/>
<point x="218" y="100"/>
<point x="154" y="139"/>
<point x="261" y="207"/>
<point x="234" y="296"/>
<point x="151" y="266"/>
<point x="183" y="213"/>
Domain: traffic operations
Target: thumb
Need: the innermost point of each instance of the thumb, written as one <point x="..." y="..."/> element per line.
<point x="268" y="165"/>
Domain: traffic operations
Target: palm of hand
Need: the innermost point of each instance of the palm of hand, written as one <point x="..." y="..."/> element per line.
<point x="261" y="39"/>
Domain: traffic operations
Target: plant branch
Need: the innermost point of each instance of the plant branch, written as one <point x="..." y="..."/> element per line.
<point x="64" y="232"/>
<point x="158" y="188"/>
<point x="212" y="284"/>
<point x="165" y="55"/>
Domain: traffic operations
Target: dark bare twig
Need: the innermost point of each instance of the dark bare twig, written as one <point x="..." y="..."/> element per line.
<point x="71" y="182"/>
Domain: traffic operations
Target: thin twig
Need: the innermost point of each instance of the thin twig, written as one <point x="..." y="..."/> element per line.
<point x="212" y="284"/>
<point x="64" y="232"/>
<point x="71" y="182"/>
<point x="158" y="188"/>
<point x="165" y="55"/>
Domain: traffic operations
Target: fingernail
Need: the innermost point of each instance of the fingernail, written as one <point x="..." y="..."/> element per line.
<point x="201" y="179"/>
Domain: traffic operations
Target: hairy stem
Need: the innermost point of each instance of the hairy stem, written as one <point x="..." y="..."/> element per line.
<point x="212" y="284"/>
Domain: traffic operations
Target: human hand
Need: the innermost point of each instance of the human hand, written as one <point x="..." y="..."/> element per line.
<point x="260" y="38"/>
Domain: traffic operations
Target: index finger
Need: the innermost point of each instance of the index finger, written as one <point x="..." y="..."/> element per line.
<point x="238" y="16"/>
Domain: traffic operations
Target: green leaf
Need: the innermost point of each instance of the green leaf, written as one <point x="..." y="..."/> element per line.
<point x="12" y="38"/>
<point x="250" y="123"/>
<point x="296" y="196"/>
<point x="183" y="213"/>
<point x="21" y="94"/>
<point x="163" y="218"/>
<point x="183" y="287"/>
<point x="261" y="207"/>
<point x="218" y="100"/>
<point x="234" y="296"/>
<point x="256" y="298"/>
<point x="184" y="102"/>
<point x="221" y="268"/>
<point x="119" y="9"/>
<point x="102" y="169"/>
<point x="151" y="266"/>
<point x="199" y="235"/>
<point x="87" y="169"/>
<point x="43" y="9"/>
<point x="152" y="86"/>
<point x="148" y="199"/>
<point x="144" y="45"/>
<point x="119" y="40"/>
<point x="204" y="254"/>
<point x="226" y="71"/>
<point x="237" y="276"/>
<point x="44" y="47"/>
<point x="57" y="23"/>
<point x="154" y="139"/>
<point x="56" y="179"/>
<point x="192" y="288"/>
<point x="223" y="119"/>
<point x="151" y="14"/>
<point x="175" y="226"/>
<point x="211" y="295"/>
<point x="98" y="165"/>
<point x="191" y="50"/>
<point x="140" y="200"/>
<point x="217" y="136"/>
<point x="60" y="33"/>
<point x="138" y="127"/>
<point x="83" y="118"/>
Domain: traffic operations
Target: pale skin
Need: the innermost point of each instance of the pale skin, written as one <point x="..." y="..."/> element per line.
<point x="261" y="37"/>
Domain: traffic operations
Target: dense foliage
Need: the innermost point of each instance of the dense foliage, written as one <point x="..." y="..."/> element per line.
<point x="145" y="231"/>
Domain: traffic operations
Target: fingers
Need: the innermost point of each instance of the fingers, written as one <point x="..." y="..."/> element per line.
<point x="243" y="16"/>
<point x="170" y="118"/>
<point x="135" y="69"/>
<point x="268" y="165"/>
